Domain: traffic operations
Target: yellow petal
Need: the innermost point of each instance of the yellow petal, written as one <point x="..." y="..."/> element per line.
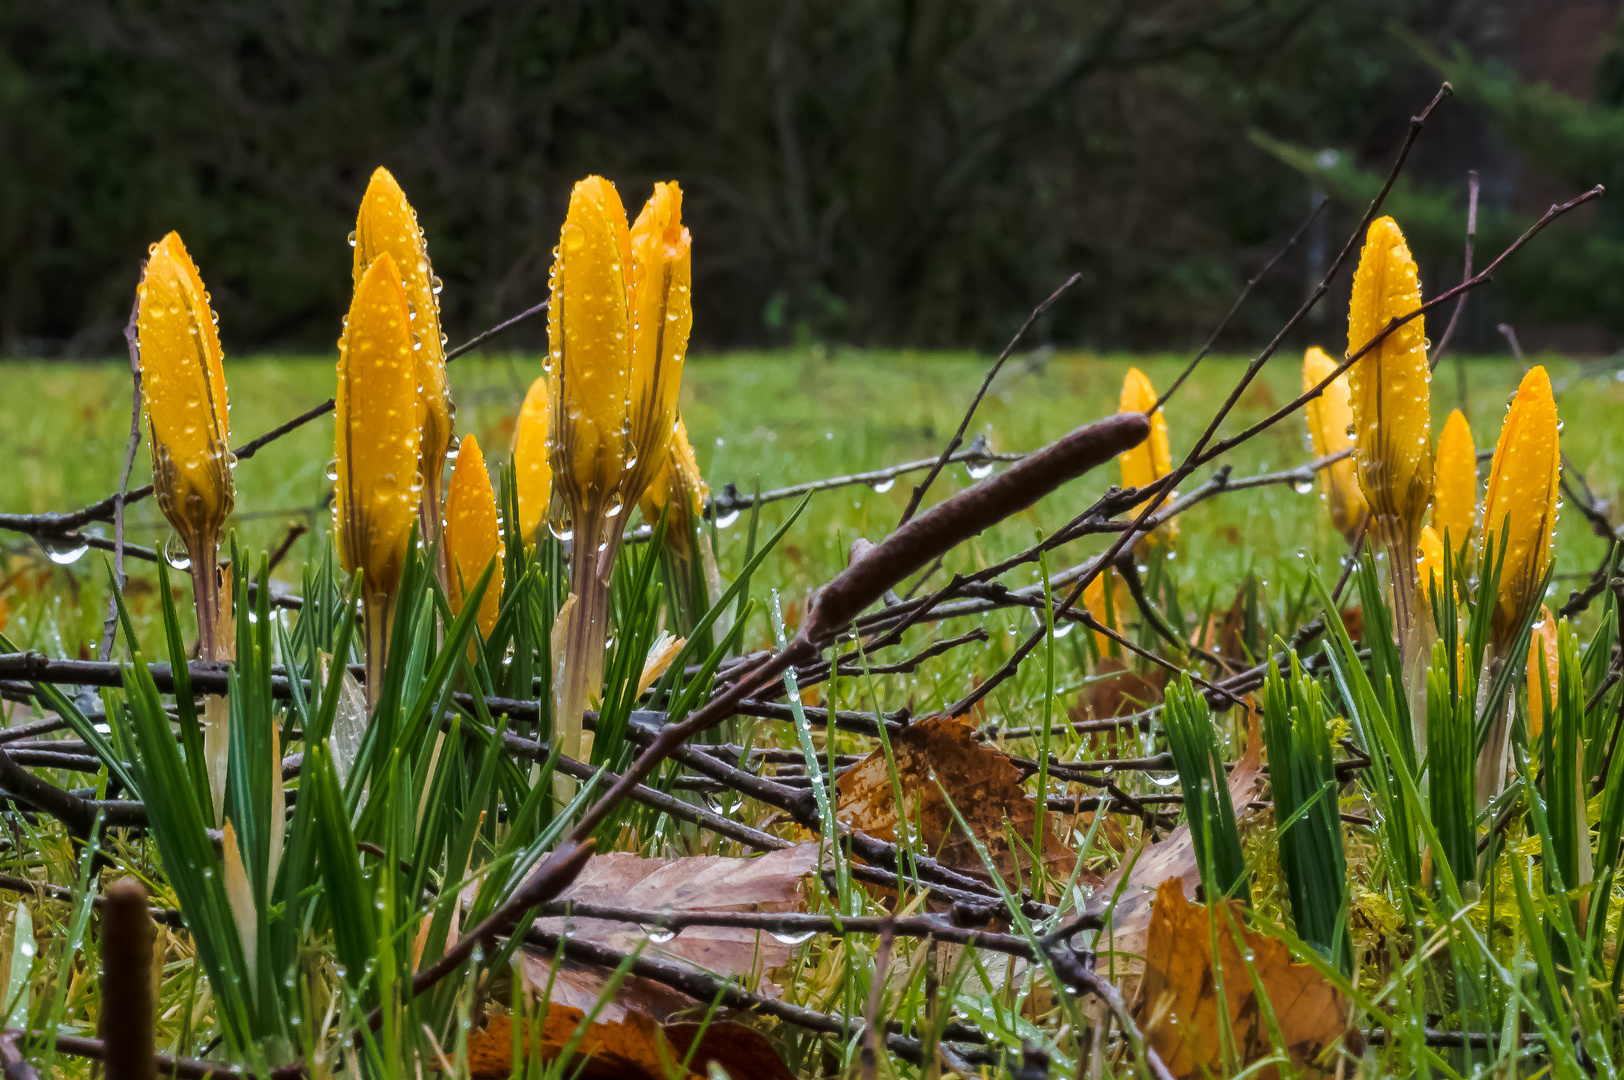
<point x="679" y="479"/>
<point x="1454" y="495"/>
<point x="1390" y="387"/>
<point x="1329" y="417"/>
<point x="1429" y="561"/>
<point x="387" y="223"/>
<point x="376" y="432"/>
<point x="1094" y="603"/>
<point x="1523" y="484"/>
<point x="532" y="464"/>
<point x="587" y="329"/>
<point x="1152" y="459"/>
<point x="1542" y="643"/>
<point x="184" y="385"/>
<point x="472" y="536"/>
<point x="661" y="317"/>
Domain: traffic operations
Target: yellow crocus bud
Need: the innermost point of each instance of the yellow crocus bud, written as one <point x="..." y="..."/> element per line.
<point x="387" y="223"/>
<point x="184" y="385"/>
<point x="1519" y="521"/>
<point x="661" y="316"/>
<point x="1454" y="495"/>
<point x="472" y="536"/>
<point x="1152" y="459"/>
<point x="1390" y="388"/>
<point x="1519" y="507"/>
<point x="1329" y="417"/>
<point x="532" y="466"/>
<point x="376" y="445"/>
<point x="680" y="487"/>
<point x="1541" y="643"/>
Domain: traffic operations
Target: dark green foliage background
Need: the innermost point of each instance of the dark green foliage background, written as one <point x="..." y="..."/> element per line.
<point x="879" y="171"/>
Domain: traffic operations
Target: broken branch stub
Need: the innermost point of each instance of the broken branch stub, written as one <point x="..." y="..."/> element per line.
<point x="954" y="520"/>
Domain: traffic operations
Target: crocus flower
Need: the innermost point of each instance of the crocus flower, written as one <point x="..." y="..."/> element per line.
<point x="617" y="329"/>
<point x="472" y="535"/>
<point x="1329" y="417"/>
<point x="388" y="224"/>
<point x="1389" y="391"/>
<point x="184" y="384"/>
<point x="376" y="445"/>
<point x="1454" y="495"/>
<point x="1519" y="507"/>
<point x="1152" y="459"/>
<point x="661" y="317"/>
<point x="1519" y="525"/>
<point x="532" y="466"/>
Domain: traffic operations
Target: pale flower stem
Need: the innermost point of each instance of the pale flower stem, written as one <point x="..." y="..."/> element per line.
<point x="580" y="664"/>
<point x="1409" y="625"/>
<point x="428" y="526"/>
<point x="377" y="610"/>
<point x="205" y="576"/>
<point x="216" y="718"/>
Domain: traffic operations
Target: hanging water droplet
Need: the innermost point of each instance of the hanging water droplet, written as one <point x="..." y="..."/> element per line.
<point x="727" y="519"/>
<point x="882" y="486"/>
<point x="1302" y="487"/>
<point x="659" y="935"/>
<point x="980" y="470"/>
<point x="65" y="551"/>
<point x="175" y="553"/>
<point x="352" y="238"/>
<point x="785" y="937"/>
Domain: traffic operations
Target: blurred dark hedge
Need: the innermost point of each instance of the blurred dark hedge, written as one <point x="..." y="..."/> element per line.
<point x="881" y="171"/>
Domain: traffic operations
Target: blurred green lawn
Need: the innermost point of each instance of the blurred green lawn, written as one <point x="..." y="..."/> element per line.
<point x="772" y="419"/>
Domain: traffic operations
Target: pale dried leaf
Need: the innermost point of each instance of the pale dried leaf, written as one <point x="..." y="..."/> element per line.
<point x="770" y="883"/>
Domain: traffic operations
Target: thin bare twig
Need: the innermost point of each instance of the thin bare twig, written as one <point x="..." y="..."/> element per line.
<point x="958" y="436"/>
<point x="132" y="339"/>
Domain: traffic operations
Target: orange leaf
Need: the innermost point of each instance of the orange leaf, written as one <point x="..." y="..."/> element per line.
<point x="1178" y="1000"/>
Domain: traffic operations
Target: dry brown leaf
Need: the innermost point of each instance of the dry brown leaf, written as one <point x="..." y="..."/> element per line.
<point x="1178" y="1000"/>
<point x="1172" y="857"/>
<point x="770" y="883"/>
<point x="983" y="783"/>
